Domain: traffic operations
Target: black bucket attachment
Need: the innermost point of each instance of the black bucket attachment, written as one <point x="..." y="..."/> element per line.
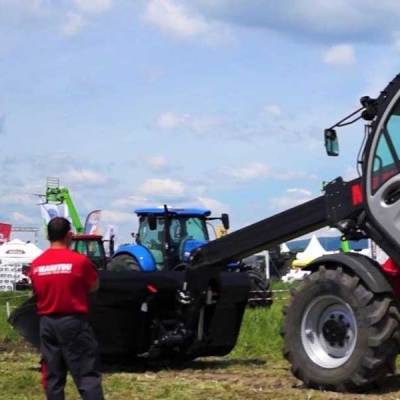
<point x="129" y="308"/>
<point x="26" y="322"/>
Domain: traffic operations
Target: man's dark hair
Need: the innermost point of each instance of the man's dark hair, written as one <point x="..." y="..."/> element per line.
<point x="58" y="228"/>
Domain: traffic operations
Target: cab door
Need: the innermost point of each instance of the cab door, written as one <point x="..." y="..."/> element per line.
<point x="382" y="178"/>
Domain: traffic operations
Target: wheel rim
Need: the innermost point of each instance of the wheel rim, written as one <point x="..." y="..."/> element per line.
<point x="329" y="331"/>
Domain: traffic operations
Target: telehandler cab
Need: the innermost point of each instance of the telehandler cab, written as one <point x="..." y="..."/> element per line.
<point x="341" y="328"/>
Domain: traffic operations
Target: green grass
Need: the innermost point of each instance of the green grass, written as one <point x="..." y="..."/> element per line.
<point x="14" y="299"/>
<point x="260" y="332"/>
<point x="254" y="370"/>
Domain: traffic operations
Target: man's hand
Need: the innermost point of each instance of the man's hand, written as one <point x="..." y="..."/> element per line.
<point x="95" y="286"/>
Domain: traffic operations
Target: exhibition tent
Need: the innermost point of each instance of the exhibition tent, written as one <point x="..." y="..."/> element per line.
<point x="18" y="252"/>
<point x="311" y="252"/>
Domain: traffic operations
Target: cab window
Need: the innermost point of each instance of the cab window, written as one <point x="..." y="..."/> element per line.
<point x="196" y="229"/>
<point x="80" y="247"/>
<point x="386" y="160"/>
<point x="152" y="239"/>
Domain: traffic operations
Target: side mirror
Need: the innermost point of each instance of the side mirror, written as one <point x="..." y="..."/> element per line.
<point x="331" y="142"/>
<point x="225" y="221"/>
<point x="152" y="222"/>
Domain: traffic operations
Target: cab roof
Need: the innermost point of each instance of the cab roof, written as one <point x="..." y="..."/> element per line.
<point x="195" y="212"/>
<point x="86" y="236"/>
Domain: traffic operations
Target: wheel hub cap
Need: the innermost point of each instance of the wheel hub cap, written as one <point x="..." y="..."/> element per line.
<point x="335" y="330"/>
<point x="329" y="331"/>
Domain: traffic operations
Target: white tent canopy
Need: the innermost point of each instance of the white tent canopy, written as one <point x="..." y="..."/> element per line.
<point x="285" y="248"/>
<point x="17" y="251"/>
<point x="312" y="251"/>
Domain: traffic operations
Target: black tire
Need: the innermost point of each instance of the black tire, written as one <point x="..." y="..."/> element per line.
<point x="260" y="295"/>
<point x="123" y="262"/>
<point x="369" y="350"/>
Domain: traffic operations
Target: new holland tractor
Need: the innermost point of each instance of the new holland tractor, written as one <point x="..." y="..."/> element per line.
<point x="166" y="239"/>
<point x="341" y="328"/>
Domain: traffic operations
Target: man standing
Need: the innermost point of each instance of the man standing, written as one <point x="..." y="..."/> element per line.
<point x="62" y="280"/>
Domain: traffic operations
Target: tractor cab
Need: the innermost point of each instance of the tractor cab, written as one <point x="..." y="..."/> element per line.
<point x="171" y="235"/>
<point x="91" y="246"/>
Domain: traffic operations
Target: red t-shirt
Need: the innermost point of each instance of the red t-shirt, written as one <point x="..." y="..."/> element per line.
<point x="61" y="282"/>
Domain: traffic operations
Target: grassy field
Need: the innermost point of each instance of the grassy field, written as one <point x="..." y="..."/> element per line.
<point x="254" y="370"/>
<point x="7" y="334"/>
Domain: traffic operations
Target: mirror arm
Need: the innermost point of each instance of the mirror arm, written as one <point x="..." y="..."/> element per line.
<point x="343" y="122"/>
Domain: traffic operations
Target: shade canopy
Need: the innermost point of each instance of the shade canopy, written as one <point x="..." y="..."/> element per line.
<point x="18" y="251"/>
<point x="312" y="251"/>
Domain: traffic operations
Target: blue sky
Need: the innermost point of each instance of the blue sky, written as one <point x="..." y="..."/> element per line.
<point x="210" y="103"/>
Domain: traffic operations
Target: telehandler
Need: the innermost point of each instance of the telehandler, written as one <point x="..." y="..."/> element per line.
<point x="341" y="327"/>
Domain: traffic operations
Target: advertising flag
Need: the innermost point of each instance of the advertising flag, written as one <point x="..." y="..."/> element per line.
<point x="5" y="233"/>
<point x="92" y="224"/>
<point x="50" y="211"/>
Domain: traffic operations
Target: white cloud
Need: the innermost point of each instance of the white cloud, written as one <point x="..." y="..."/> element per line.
<point x="317" y="20"/>
<point x="249" y="172"/>
<point x="117" y="217"/>
<point x="257" y="170"/>
<point x="174" y="19"/>
<point x="162" y="188"/>
<point x="170" y="120"/>
<point x="157" y="163"/>
<point x="85" y="176"/>
<point x="182" y="22"/>
<point x="293" y="197"/>
<point x="214" y="205"/>
<point x="131" y="202"/>
<point x="93" y="6"/>
<point x="156" y="192"/>
<point x="341" y="54"/>
<point x="273" y="110"/>
<point x="21" y="218"/>
<point x="74" y="23"/>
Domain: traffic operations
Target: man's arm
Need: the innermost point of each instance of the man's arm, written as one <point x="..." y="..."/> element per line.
<point x="91" y="276"/>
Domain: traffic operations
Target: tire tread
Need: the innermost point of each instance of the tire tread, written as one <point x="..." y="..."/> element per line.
<point x="383" y="333"/>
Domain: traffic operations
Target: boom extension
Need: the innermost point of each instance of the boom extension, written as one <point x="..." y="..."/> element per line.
<point x="340" y="201"/>
<point x="264" y="234"/>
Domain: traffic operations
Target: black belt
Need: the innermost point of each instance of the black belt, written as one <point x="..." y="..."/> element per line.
<point x="57" y="316"/>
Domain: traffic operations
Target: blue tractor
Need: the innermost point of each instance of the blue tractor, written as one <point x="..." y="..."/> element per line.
<point x="166" y="239"/>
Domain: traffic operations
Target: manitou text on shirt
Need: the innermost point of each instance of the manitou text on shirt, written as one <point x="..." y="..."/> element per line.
<point x="53" y="269"/>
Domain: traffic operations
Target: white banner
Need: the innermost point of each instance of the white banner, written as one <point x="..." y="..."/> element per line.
<point x="50" y="211"/>
<point x="10" y="274"/>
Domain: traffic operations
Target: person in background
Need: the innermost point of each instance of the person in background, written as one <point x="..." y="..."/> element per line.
<point x="62" y="281"/>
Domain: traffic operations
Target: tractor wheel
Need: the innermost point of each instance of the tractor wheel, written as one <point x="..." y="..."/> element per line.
<point x="338" y="335"/>
<point x="123" y="262"/>
<point x="260" y="294"/>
